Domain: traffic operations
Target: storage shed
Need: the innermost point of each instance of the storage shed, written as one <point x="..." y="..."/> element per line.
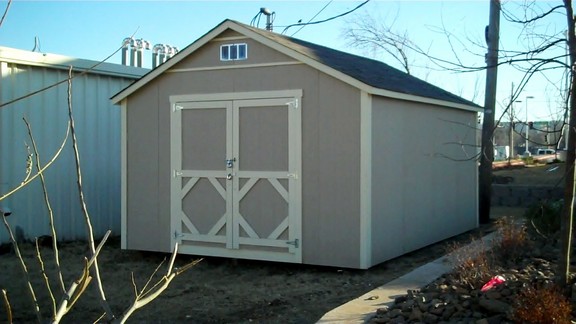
<point x="23" y="75"/>
<point x="250" y="144"/>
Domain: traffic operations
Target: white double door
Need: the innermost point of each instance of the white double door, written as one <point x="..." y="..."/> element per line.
<point x="236" y="187"/>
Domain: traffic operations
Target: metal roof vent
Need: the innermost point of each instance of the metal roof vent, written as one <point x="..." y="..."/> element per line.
<point x="161" y="53"/>
<point x="136" y="47"/>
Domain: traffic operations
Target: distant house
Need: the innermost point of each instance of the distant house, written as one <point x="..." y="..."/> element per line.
<point x="98" y="131"/>
<point x="250" y="144"/>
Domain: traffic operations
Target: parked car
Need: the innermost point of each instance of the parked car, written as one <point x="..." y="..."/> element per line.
<point x="545" y="151"/>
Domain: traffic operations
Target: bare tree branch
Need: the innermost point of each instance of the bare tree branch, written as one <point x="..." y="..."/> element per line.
<point x="7" y="306"/>
<point x="89" y="230"/>
<point x="79" y="286"/>
<point x="45" y="277"/>
<point x="41" y="171"/>
<point x="49" y="206"/>
<point x="511" y="18"/>
<point x="36" y="306"/>
<point x="146" y="296"/>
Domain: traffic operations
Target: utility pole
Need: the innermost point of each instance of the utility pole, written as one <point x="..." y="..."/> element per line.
<point x="511" y="130"/>
<point x="487" y="151"/>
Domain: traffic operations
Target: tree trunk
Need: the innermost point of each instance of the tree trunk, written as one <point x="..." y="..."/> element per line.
<point x="487" y="151"/>
<point x="568" y="211"/>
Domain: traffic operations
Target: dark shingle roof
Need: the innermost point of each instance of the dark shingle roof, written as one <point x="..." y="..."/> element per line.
<point x="368" y="71"/>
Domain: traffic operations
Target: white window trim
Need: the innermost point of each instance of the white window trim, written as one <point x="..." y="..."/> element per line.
<point x="237" y="45"/>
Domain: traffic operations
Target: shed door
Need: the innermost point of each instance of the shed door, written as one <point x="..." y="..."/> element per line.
<point x="236" y="190"/>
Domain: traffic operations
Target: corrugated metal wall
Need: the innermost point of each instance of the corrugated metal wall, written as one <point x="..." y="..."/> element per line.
<point x="98" y="132"/>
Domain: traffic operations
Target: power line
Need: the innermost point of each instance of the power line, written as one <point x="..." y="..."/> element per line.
<point x="312" y="18"/>
<point x="325" y="20"/>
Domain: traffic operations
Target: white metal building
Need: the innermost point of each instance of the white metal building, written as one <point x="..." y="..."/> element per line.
<point x="98" y="131"/>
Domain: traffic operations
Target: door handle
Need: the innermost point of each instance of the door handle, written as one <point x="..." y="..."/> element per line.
<point x="229" y="176"/>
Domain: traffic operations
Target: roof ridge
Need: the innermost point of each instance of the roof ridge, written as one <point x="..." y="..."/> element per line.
<point x="365" y="75"/>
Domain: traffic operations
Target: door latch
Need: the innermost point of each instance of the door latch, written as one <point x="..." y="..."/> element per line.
<point x="230" y="162"/>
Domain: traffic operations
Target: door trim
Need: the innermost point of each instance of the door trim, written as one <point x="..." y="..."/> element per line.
<point x="293" y="100"/>
<point x="236" y="96"/>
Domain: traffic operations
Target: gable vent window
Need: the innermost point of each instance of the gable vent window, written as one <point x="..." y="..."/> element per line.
<point x="233" y="52"/>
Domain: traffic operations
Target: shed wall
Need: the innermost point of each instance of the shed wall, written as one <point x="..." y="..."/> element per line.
<point x="98" y="131"/>
<point x="330" y="149"/>
<point x="424" y="186"/>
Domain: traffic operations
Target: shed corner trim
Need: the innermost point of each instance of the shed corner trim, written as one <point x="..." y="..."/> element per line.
<point x="365" y="180"/>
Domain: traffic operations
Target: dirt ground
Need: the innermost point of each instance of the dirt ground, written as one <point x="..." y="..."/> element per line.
<point x="220" y="290"/>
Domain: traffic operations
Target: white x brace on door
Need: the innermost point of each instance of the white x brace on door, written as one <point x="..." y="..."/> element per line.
<point x="236" y="163"/>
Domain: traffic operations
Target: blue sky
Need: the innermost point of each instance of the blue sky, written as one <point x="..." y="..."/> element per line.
<point x="95" y="29"/>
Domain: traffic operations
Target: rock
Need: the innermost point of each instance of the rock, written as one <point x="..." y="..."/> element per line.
<point x="491" y="294"/>
<point x="415" y="315"/>
<point x="400" y="299"/>
<point x="437" y="310"/>
<point x="494" y="306"/>
<point x="482" y="321"/>
<point x="378" y="320"/>
<point x="506" y="292"/>
<point x="382" y="310"/>
<point x="399" y="320"/>
<point x="395" y="313"/>
<point x="430" y="318"/>
<point x="448" y="312"/>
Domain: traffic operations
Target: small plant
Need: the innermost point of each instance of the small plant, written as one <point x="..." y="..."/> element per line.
<point x="513" y="240"/>
<point x="473" y="268"/>
<point x="542" y="305"/>
<point x="544" y="217"/>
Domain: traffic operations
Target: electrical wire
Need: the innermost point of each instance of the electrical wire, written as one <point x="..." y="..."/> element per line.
<point x="5" y="12"/>
<point x="325" y="20"/>
<point x="316" y="15"/>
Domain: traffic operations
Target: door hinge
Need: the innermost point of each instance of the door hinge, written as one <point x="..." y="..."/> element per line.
<point x="176" y="107"/>
<point x="295" y="243"/>
<point x="177" y="235"/>
<point x="293" y="176"/>
<point x="177" y="174"/>
<point x="293" y="103"/>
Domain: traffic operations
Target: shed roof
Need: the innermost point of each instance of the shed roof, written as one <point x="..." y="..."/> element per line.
<point x="370" y="75"/>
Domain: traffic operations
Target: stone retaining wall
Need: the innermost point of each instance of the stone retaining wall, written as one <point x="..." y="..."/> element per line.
<point x="523" y="196"/>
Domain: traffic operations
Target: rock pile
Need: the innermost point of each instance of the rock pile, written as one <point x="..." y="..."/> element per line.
<point x="449" y="300"/>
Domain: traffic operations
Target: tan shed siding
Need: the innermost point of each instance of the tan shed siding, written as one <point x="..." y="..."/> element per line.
<point x="330" y="117"/>
<point x="421" y="192"/>
<point x="336" y="227"/>
<point x="209" y="55"/>
<point x="98" y="132"/>
<point x="148" y="221"/>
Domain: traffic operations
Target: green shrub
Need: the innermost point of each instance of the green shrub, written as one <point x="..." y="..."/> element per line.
<point x="528" y="160"/>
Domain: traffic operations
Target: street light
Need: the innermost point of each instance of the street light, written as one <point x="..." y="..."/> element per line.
<point x="511" y="136"/>
<point x="527" y="153"/>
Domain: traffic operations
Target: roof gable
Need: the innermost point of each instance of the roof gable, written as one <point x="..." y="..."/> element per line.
<point x="367" y="74"/>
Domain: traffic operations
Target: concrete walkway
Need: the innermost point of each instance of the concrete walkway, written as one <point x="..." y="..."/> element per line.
<point x="364" y="307"/>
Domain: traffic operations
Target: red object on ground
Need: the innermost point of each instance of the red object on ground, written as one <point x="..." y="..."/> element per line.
<point x="495" y="281"/>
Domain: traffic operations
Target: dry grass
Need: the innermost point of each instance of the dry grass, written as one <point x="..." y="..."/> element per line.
<point x="513" y="241"/>
<point x="475" y="268"/>
<point x="542" y="305"/>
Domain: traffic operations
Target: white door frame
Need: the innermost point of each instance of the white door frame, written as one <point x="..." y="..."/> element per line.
<point x="292" y="98"/>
